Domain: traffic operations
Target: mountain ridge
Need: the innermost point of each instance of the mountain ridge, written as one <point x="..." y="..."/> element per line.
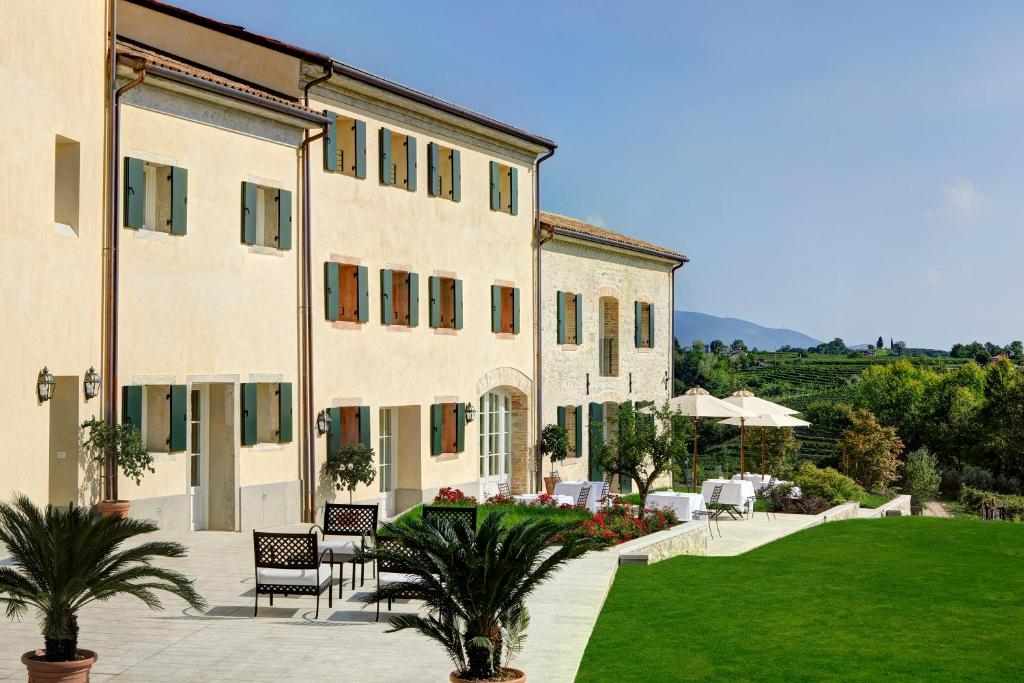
<point x="691" y="325"/>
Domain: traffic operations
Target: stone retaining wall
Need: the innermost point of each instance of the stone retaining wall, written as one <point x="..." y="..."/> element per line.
<point x="901" y="503"/>
<point x="688" y="538"/>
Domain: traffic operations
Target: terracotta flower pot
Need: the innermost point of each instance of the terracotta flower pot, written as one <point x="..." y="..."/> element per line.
<point x="519" y="677"/>
<point x="112" y="508"/>
<point x="42" y="671"/>
<point x="549" y="486"/>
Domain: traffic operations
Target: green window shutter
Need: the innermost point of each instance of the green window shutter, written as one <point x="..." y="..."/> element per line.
<point x="131" y="406"/>
<point x="596" y="439"/>
<point x="248" y="414"/>
<point x="179" y="200"/>
<point x="248" y="213"/>
<point x="495" y="188"/>
<point x="515" y="310"/>
<point x="433" y="171"/>
<point x="434" y="285"/>
<point x="513" y="190"/>
<point x="284" y="412"/>
<point x="386" y="308"/>
<point x="579" y="318"/>
<point x="456" y="176"/>
<point x="334" y="431"/>
<point x="579" y="432"/>
<point x="386" y="175"/>
<point x="561" y="317"/>
<point x="284" y="219"/>
<point x="331" y="142"/>
<point x="561" y="417"/>
<point x="650" y="325"/>
<point x="332" y="290"/>
<point x="179" y="418"/>
<point x="457" y="296"/>
<point x="362" y="282"/>
<point x="410" y="161"/>
<point x="460" y="427"/>
<point x="436" y="425"/>
<point x="359" y="129"/>
<point x="495" y="308"/>
<point x="637" y="335"/>
<point x="414" y="299"/>
<point x="134" y="193"/>
<point x="364" y="425"/>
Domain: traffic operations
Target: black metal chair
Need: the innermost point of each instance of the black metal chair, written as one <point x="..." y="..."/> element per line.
<point x="767" y="495"/>
<point x="556" y="478"/>
<point x="993" y="511"/>
<point x="392" y="570"/>
<point x="583" y="496"/>
<point x="438" y="515"/>
<point x="291" y="564"/>
<point x="346" y="530"/>
<point x="714" y="510"/>
<point x="504" y="489"/>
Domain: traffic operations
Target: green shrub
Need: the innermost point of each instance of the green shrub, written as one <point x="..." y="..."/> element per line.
<point x="972" y="500"/>
<point x="921" y="476"/>
<point x="826" y="483"/>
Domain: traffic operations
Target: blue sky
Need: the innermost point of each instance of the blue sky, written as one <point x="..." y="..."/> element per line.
<point x="844" y="169"/>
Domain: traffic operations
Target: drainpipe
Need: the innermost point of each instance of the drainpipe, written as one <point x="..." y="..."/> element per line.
<point x="307" y="409"/>
<point x="538" y="339"/>
<point x="672" y="345"/>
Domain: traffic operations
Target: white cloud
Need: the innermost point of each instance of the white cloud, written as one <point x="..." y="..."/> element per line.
<point x="596" y="219"/>
<point x="964" y="201"/>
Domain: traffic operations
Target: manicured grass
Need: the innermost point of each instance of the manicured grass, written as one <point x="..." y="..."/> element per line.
<point x="874" y="500"/>
<point x="907" y="599"/>
<point x="513" y="513"/>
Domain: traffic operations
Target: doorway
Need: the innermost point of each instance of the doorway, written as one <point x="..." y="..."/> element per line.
<point x="495" y="417"/>
<point x="199" y="417"/>
<point x="64" y="442"/>
<point x="387" y="461"/>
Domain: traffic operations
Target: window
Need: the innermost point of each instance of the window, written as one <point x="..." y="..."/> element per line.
<point x="195" y="425"/>
<point x="643" y="325"/>
<point x="349" y="425"/>
<point x="444" y="172"/>
<point x="345" y="292"/>
<point x="156" y="197"/>
<point x="399" y="298"/>
<point x="447" y="428"/>
<point x="345" y="146"/>
<point x="570" y="418"/>
<point x="386" y="451"/>
<point x="504" y="188"/>
<point x="66" y="167"/>
<point x="504" y="309"/>
<point x="495" y="435"/>
<point x="159" y="411"/>
<point x="397" y="159"/>
<point x="609" y="337"/>
<point x="445" y="303"/>
<point x="266" y="216"/>
<point x="570" y="318"/>
<point x="266" y="412"/>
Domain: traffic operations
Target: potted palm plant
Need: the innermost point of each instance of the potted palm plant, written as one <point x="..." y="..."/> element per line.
<point x="349" y="467"/>
<point x="123" y="443"/>
<point x="477" y="611"/>
<point x="66" y="559"/>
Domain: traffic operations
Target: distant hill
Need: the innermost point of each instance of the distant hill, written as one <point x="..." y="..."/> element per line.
<point x="691" y="325"/>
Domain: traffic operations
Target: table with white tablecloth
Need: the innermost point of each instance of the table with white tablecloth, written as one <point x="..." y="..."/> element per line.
<point x="533" y="498"/>
<point x="573" y="488"/>
<point x="737" y="492"/>
<point x="761" y="483"/>
<point x="683" y="504"/>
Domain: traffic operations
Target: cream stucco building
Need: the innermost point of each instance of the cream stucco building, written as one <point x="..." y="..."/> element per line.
<point x="250" y="236"/>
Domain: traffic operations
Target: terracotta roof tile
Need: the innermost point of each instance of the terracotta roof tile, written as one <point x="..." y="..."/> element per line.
<point x="573" y="227"/>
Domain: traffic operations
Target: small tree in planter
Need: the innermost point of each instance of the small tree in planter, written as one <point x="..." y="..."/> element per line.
<point x="644" y="446"/>
<point x="349" y="467"/>
<point x="123" y="443"/>
<point x="66" y="559"/>
<point x="554" y="443"/>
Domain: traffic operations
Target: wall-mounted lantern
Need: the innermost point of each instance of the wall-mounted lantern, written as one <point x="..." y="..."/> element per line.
<point x="323" y="422"/>
<point x="91" y="383"/>
<point x="470" y="412"/>
<point x="45" y="384"/>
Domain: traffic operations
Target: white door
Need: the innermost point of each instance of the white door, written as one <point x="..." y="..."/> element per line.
<point x="386" y="452"/>
<point x="495" y="418"/>
<point x="198" y="468"/>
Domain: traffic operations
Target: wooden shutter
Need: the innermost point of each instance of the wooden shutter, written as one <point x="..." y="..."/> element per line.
<point x="284" y="412"/>
<point x="131" y="406"/>
<point x="178" y="397"/>
<point x="460" y="427"/>
<point x="577" y="299"/>
<point x="513" y="190"/>
<point x="436" y="427"/>
<point x="495" y="187"/>
<point x="362" y="284"/>
<point x="248" y="414"/>
<point x="410" y="163"/>
<point x="386" y="304"/>
<point x="134" y="193"/>
<point x="561" y="417"/>
<point x="332" y="290"/>
<point x="434" y="285"/>
<point x="562" y="297"/>
<point x="179" y="200"/>
<point x="433" y="170"/>
<point x="364" y="425"/>
<point x="284" y="219"/>
<point x="495" y="308"/>
<point x="248" y="212"/>
<point x="386" y="175"/>
<point x="515" y="310"/>
<point x="359" y="129"/>
<point x="457" y="302"/>
<point x="596" y="439"/>
<point x="334" y="431"/>
<point x="637" y="328"/>
<point x="331" y="142"/>
<point x="414" y="299"/>
<point x="579" y="432"/>
<point x="456" y="176"/>
<point x="650" y="325"/>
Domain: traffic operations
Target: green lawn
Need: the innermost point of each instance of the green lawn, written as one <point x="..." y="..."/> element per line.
<point x="907" y="599"/>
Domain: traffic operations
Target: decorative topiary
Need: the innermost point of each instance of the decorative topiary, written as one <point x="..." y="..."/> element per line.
<point x="349" y="467"/>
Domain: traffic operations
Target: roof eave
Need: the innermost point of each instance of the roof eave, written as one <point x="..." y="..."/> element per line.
<point x="668" y="256"/>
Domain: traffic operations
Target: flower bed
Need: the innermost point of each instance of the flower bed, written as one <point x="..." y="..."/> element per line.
<point x="623" y="522"/>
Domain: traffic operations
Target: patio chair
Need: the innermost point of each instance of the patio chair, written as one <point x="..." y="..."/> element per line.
<point x="346" y="530"/>
<point x="392" y="570"/>
<point x="291" y="564"/>
<point x="766" y="493"/>
<point x="714" y="510"/>
<point x="584" y="495"/>
<point x="438" y="515"/>
<point x="556" y="478"/>
<point x="504" y="489"/>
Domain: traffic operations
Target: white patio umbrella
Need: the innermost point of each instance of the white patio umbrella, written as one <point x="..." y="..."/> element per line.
<point x="745" y="399"/>
<point x="698" y="403"/>
<point x="774" y="421"/>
